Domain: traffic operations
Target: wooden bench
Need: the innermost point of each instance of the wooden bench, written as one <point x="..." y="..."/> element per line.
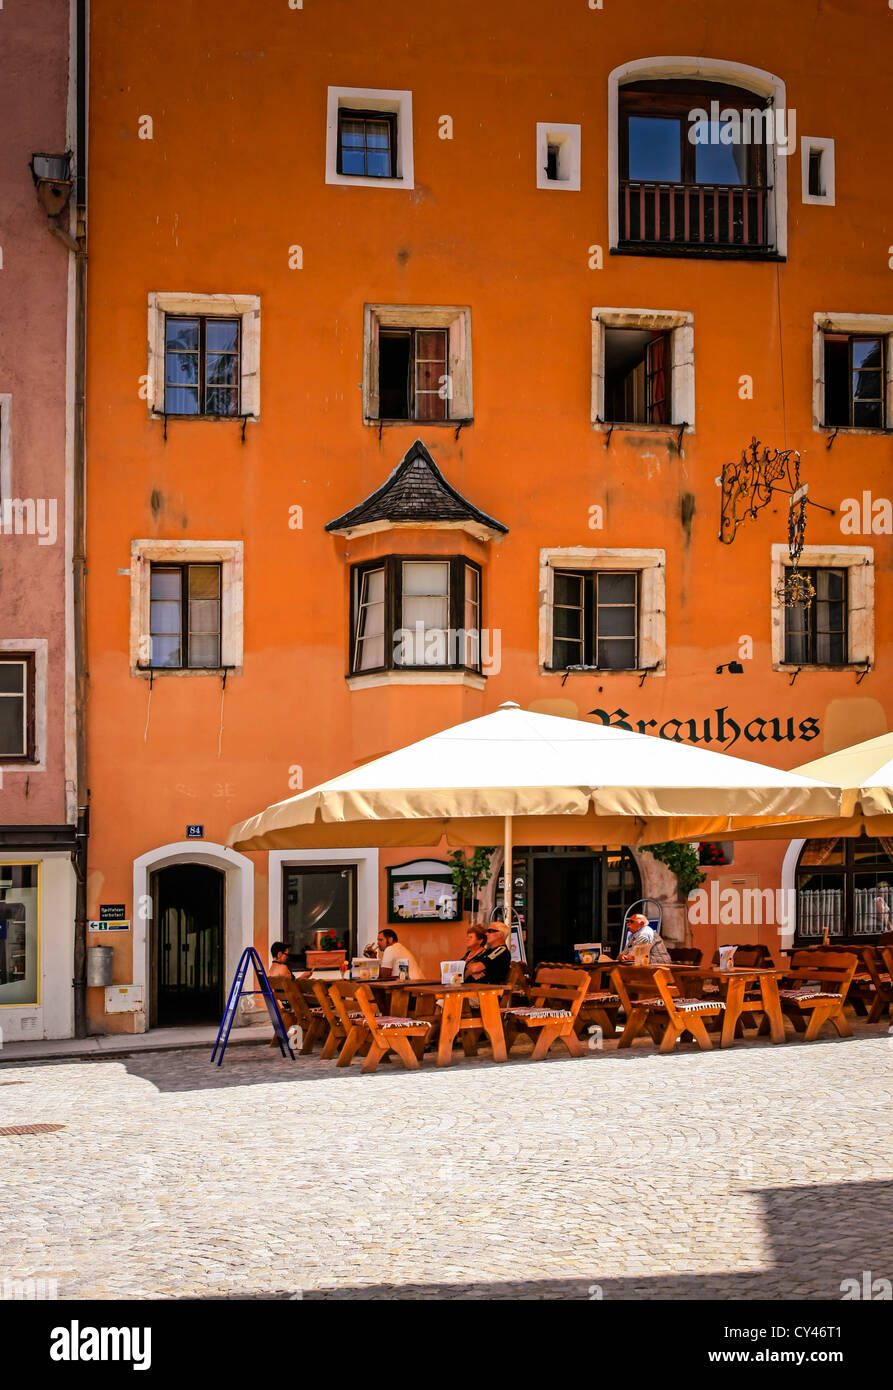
<point x="296" y="1008"/>
<point x="365" y="1024"/>
<point x="651" y="1003"/>
<point x="871" y="991"/>
<point x="556" y="997"/>
<point x="815" y="988"/>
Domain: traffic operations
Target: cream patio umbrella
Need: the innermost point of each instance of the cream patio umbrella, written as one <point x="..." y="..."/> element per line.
<point x="536" y="779"/>
<point x="864" y="774"/>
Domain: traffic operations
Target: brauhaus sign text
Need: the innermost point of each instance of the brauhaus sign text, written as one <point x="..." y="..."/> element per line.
<point x="718" y="727"/>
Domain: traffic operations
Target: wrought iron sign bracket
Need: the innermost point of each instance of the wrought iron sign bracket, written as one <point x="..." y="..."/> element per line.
<point x="795" y="675"/>
<point x="862" y="674"/>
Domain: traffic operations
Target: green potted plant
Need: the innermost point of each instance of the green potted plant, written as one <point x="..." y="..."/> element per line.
<point x="328" y="953"/>
<point x="469" y="874"/>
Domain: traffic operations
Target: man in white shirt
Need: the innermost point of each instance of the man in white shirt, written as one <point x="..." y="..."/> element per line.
<point x="390" y="951"/>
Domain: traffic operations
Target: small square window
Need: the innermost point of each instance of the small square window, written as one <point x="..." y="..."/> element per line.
<point x="558" y="156"/>
<point x="817" y="170"/>
<point x="367" y="144"/>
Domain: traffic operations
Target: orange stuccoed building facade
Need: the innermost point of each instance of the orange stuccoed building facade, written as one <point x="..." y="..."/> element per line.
<point x="423" y="360"/>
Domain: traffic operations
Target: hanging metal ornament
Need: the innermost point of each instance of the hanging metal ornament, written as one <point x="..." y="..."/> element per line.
<point x="796" y="590"/>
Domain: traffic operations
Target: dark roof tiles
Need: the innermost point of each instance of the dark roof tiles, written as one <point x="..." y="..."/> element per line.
<point x="415" y="491"/>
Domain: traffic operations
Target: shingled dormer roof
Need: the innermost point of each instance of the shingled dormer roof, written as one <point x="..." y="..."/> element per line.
<point x="417" y="494"/>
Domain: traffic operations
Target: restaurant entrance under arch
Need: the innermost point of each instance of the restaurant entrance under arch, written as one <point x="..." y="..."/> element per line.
<point x="571" y="893"/>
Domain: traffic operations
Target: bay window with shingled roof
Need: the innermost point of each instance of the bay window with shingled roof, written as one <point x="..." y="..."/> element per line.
<point x="416" y="611"/>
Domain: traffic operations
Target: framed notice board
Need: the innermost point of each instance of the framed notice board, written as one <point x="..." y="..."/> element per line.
<point x="422" y="891"/>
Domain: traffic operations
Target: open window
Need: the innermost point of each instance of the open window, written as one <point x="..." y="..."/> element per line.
<point x="558" y="156"/>
<point x="855" y="380"/>
<point x="642" y="369"/>
<point x="602" y="609"/>
<point x="417" y="364"/>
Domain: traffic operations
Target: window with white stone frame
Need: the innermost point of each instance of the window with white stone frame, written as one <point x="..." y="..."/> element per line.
<point x="852" y="372"/>
<point x="643" y="374"/>
<point x="558" y="156"/>
<point x="602" y="609"/>
<point x="204" y="356"/>
<point x="369" y="138"/>
<point x="838" y="630"/>
<point x="23" y="702"/>
<point x="417" y="364"/>
<point x="186" y="607"/>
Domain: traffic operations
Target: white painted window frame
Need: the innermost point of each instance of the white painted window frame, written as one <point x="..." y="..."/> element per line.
<point x="398" y="103"/>
<point x="568" y="139"/>
<point x="859" y="561"/>
<point x="757" y="80"/>
<point x="826" y="145"/>
<point x="651" y="566"/>
<point x="681" y="325"/>
<point x="455" y="318"/>
<point x="881" y="325"/>
<point x="39" y="647"/>
<point x="243" y="306"/>
<point x="368" y="901"/>
<point x="5" y="445"/>
<point x="229" y="555"/>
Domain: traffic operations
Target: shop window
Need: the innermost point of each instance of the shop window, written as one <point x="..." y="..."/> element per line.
<point x="18" y="933"/>
<point x="845" y="889"/>
<point x="816" y="634"/>
<point x="414" y="614"/>
<point x="595" y="620"/>
<point x="184" y="615"/>
<point x="855" y="381"/>
<point x="637" y="376"/>
<point x="17" y="705"/>
<point x="202" y="365"/>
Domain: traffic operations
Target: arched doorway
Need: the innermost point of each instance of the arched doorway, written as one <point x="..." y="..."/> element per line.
<point x="844" y="887"/>
<point x="186" y="950"/>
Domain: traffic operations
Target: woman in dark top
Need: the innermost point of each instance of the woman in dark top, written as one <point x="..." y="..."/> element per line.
<point x="476" y="945"/>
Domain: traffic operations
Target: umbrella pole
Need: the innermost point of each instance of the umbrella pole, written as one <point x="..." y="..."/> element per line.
<point x="508" y="878"/>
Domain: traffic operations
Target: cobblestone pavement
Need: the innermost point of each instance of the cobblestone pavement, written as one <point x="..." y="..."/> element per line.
<point x="758" y="1172"/>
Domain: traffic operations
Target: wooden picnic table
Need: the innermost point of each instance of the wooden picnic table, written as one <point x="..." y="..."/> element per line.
<point x="452" y="1020"/>
<point x="733" y="985"/>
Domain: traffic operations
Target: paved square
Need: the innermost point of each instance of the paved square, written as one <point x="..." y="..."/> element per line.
<point x="758" y="1172"/>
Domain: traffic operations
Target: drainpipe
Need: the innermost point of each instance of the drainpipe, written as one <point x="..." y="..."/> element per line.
<point x="79" y="559"/>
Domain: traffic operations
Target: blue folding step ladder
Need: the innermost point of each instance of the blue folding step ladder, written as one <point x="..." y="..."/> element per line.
<point x="250" y="957"/>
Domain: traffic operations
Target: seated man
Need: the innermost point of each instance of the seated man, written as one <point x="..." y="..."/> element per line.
<point x="390" y="950"/>
<point x="641" y="934"/>
<point x="492" y="968"/>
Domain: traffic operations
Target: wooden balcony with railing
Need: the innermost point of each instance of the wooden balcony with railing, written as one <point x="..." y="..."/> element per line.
<point x="694" y="216"/>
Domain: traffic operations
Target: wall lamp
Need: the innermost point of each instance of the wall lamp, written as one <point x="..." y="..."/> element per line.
<point x="52" y="178"/>
<point x="734" y="668"/>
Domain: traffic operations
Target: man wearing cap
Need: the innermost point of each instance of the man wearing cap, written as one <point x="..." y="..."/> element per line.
<point x="641" y="934"/>
<point x="493" y="967"/>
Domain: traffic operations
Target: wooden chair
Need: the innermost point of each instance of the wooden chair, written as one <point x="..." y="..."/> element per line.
<point x="296" y="1008"/>
<point x="556" y="997"/>
<point x="758" y="956"/>
<point x="337" y="1030"/>
<point x="871" y="991"/>
<point x="650" y="1003"/>
<point x="885" y="956"/>
<point x="366" y="1024"/>
<point x="685" y="955"/>
<point x="815" y="987"/>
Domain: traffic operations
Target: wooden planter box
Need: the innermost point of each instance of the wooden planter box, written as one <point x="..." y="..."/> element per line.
<point x="325" y="960"/>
